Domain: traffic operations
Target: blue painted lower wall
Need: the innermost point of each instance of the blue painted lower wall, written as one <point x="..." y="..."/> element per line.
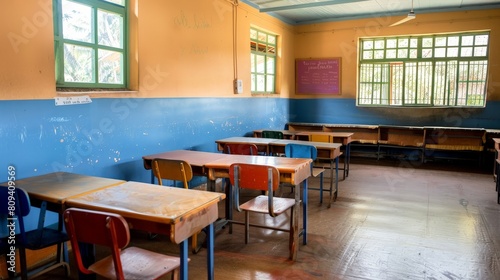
<point x="108" y="137"/>
<point x="344" y="111"/>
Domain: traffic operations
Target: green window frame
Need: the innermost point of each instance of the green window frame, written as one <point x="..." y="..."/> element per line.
<point x="263" y="47"/>
<point x="438" y="70"/>
<point x="90" y="42"/>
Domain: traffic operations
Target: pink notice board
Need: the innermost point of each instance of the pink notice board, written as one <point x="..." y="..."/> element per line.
<point x="318" y="75"/>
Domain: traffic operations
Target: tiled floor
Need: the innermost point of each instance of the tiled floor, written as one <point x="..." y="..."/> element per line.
<point x="392" y="220"/>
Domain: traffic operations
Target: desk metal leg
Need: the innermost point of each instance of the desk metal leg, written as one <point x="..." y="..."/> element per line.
<point x="184" y="260"/>
<point x="210" y="251"/>
<point x="334" y="197"/>
<point x="304" y="212"/>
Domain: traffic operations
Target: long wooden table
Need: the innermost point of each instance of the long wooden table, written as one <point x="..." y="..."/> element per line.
<point x="261" y="143"/>
<point x="176" y="212"/>
<point x="179" y="212"/>
<point x="329" y="151"/>
<point x="292" y="171"/>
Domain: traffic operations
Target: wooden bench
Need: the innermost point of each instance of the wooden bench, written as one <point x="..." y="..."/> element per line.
<point x="409" y="137"/>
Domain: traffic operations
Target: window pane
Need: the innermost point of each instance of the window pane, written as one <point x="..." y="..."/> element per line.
<point x="118" y="2"/>
<point x="271" y="39"/>
<point x="440" y="52"/>
<point x="367" y="55"/>
<point x="261" y="36"/>
<point x="253" y="81"/>
<point x="253" y="34"/>
<point x="261" y="65"/>
<point x="467" y="40"/>
<point x="270" y="65"/>
<point x="261" y="83"/>
<point x="480" y="51"/>
<point x="426" y="53"/>
<point x="253" y="68"/>
<point x="466" y="52"/>
<point x="427" y="42"/>
<point x="270" y="84"/>
<point x="78" y="64"/>
<point x="77" y="21"/>
<point x="413" y="53"/>
<point x="379" y="54"/>
<point x="391" y="54"/>
<point x="440" y="41"/>
<point x="110" y="29"/>
<point x="403" y="53"/>
<point x="391" y="43"/>
<point x="481" y="40"/>
<point x="110" y="65"/>
<point x="403" y="43"/>
<point x="413" y="43"/>
<point x="453" y="41"/>
<point x="368" y="45"/>
<point x="452" y="52"/>
<point x="379" y="44"/>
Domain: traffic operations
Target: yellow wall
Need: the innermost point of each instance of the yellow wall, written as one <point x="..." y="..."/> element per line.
<point x="185" y="48"/>
<point x="179" y="49"/>
<point x="339" y="39"/>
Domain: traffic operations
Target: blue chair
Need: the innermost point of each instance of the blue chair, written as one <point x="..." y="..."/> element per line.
<point x="14" y="206"/>
<point x="307" y="151"/>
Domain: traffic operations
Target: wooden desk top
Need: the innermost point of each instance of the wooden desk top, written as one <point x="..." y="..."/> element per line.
<point x="332" y="133"/>
<point x="194" y="158"/>
<point x="245" y="140"/>
<point x="153" y="203"/>
<point x="300" y="167"/>
<point x="59" y="186"/>
<point x="318" y="145"/>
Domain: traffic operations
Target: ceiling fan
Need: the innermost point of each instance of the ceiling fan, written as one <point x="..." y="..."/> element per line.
<point x="411" y="15"/>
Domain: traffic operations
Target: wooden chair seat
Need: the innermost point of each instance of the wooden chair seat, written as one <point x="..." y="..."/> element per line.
<point x="260" y="204"/>
<point x="137" y="263"/>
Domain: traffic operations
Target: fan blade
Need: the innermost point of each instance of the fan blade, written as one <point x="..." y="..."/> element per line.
<point x="408" y="18"/>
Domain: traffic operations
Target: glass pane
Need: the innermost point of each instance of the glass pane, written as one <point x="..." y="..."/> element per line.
<point x="261" y="64"/>
<point x="391" y="54"/>
<point x="467" y="40"/>
<point x="118" y="2"/>
<point x="271" y="49"/>
<point x="413" y="53"/>
<point x="367" y="55"/>
<point x="261" y="83"/>
<point x="391" y="43"/>
<point x="452" y="52"/>
<point x="270" y="65"/>
<point x="480" y="51"/>
<point x="481" y="40"/>
<point x="413" y="43"/>
<point x="253" y="46"/>
<point x="379" y="54"/>
<point x="440" y="41"/>
<point x="466" y="52"/>
<point x="253" y="34"/>
<point x="261" y="48"/>
<point x="403" y="43"/>
<point x="368" y="45"/>
<point x="262" y="37"/>
<point x="110" y="28"/>
<point x="379" y="44"/>
<point x="440" y="52"/>
<point x="270" y="83"/>
<point x="77" y="22"/>
<point x="110" y="67"/>
<point x="271" y="39"/>
<point x="426" y="53"/>
<point x="403" y="53"/>
<point x="78" y="64"/>
<point x="253" y="79"/>
<point x="427" y="42"/>
<point x="453" y="41"/>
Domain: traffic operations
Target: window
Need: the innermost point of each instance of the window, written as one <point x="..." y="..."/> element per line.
<point x="90" y="43"/>
<point x="442" y="70"/>
<point x="263" y="61"/>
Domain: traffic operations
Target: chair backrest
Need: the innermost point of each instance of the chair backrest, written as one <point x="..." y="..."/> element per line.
<point x="319" y="138"/>
<point x="300" y="151"/>
<point x="99" y="228"/>
<point x="17" y="199"/>
<point x="254" y="176"/>
<point x="272" y="134"/>
<point x="169" y="169"/>
<point x="241" y="149"/>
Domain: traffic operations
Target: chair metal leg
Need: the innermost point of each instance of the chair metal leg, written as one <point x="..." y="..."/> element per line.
<point x="291" y="243"/>
<point x="247" y="226"/>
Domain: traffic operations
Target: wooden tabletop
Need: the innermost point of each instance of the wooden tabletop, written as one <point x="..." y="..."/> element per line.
<point x="299" y="168"/>
<point x="325" y="149"/>
<point x="194" y="158"/>
<point x="261" y="143"/>
<point x="187" y="210"/>
<point x="59" y="186"/>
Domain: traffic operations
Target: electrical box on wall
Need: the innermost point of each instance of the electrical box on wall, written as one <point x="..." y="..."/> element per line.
<point x="238" y="86"/>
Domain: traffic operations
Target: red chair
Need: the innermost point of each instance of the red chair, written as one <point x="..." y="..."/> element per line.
<point x="112" y="231"/>
<point x="262" y="178"/>
<point x="241" y="149"/>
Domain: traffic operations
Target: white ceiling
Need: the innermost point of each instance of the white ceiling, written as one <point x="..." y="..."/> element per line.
<point x="298" y="12"/>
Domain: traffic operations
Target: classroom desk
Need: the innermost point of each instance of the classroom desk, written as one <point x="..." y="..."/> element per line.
<point x="261" y="143"/>
<point x="330" y="151"/>
<point x="176" y="212"/>
<point x="55" y="188"/>
<point x="292" y="171"/>
<point x="196" y="159"/>
<point x="336" y="137"/>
